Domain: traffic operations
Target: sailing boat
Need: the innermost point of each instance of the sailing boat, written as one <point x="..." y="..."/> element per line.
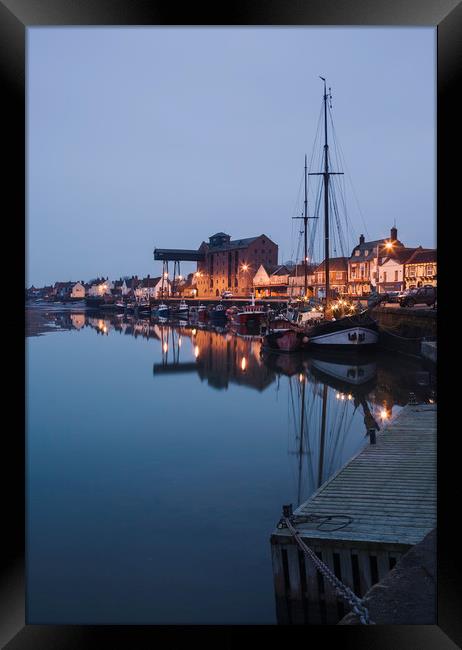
<point x="355" y="331"/>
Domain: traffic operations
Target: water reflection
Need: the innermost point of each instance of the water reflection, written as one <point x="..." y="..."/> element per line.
<point x="287" y="424"/>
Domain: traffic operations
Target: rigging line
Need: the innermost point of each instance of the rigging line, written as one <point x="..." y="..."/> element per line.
<point x="341" y="184"/>
<point x="337" y="219"/>
<point x="349" y="177"/>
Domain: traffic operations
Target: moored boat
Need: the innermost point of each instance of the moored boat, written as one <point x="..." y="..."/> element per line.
<point x="218" y="314"/>
<point x="320" y="327"/>
<point x="284" y="339"/>
<point x="161" y="310"/>
<point x="358" y="331"/>
<point x="183" y="310"/>
<point x="202" y="313"/>
<point x="248" y="315"/>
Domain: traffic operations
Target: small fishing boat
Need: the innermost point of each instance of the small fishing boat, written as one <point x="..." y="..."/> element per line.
<point x="161" y="310"/>
<point x="218" y="314"/>
<point x="202" y="313"/>
<point x="248" y="315"/>
<point x="183" y="310"/>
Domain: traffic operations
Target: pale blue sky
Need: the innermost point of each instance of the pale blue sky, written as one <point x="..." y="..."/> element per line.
<point x="144" y="137"/>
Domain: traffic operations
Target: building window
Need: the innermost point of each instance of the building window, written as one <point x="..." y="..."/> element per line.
<point x="357" y="253"/>
<point x="384" y="276"/>
<point x="396" y="276"/>
<point x="366" y="253"/>
<point x="412" y="271"/>
<point x="429" y="269"/>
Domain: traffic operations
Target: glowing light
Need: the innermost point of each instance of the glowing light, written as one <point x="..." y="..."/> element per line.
<point x="342" y="396"/>
<point x="165" y="346"/>
<point x="194" y="332"/>
<point x="179" y="342"/>
<point x="243" y="364"/>
<point x="196" y="351"/>
<point x="350" y="396"/>
<point x="165" y="275"/>
<point x="245" y="267"/>
<point x="300" y="377"/>
<point x="105" y="329"/>
<point x="338" y="396"/>
<point x="384" y="414"/>
<point x="389" y="245"/>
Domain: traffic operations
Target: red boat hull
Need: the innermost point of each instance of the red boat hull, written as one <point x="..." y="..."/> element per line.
<point x="246" y="318"/>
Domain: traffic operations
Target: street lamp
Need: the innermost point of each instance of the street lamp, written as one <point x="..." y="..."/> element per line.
<point x="245" y="267"/>
<point x="388" y="246"/>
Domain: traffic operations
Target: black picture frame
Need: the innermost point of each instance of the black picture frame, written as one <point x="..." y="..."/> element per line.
<point x="15" y="17"/>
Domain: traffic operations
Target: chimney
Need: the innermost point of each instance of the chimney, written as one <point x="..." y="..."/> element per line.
<point x="361" y="239"/>
<point x="394" y="233"/>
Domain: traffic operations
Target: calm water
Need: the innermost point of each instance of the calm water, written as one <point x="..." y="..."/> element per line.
<point x="159" y="457"/>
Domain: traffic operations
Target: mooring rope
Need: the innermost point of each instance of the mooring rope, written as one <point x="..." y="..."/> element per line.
<point x="356" y="603"/>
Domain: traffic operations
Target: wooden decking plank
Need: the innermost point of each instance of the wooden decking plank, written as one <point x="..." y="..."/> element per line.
<point x="388" y="489"/>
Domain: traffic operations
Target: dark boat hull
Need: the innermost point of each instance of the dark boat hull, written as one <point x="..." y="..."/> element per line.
<point x="350" y="332"/>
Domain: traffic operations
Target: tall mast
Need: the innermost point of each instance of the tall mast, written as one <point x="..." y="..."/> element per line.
<point x="305" y="223"/>
<point x="326" y="173"/>
<point x="305" y="232"/>
<point x="326" y="199"/>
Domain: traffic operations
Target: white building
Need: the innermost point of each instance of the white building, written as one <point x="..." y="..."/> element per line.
<point x="100" y="286"/>
<point x="391" y="271"/>
<point x="152" y="288"/>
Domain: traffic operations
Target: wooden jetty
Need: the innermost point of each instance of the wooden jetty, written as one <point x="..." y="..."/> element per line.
<point x="386" y="496"/>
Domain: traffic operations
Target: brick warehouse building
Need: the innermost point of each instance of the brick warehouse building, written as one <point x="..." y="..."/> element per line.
<point x="230" y="265"/>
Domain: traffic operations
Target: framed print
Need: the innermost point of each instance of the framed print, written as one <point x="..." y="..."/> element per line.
<point x="195" y="288"/>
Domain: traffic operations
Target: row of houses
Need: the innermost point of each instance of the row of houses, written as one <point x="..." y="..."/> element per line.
<point x="250" y="265"/>
<point x="134" y="287"/>
<point x="381" y="265"/>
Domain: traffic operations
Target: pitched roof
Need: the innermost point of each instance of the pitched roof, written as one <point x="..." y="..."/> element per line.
<point x="299" y="270"/>
<point x="422" y="255"/>
<point x="235" y="243"/>
<point x="370" y="246"/>
<point x="150" y="282"/>
<point x="401" y="255"/>
<point x="335" y="264"/>
<point x="131" y="283"/>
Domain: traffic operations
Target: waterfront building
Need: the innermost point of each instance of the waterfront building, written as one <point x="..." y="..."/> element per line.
<point x="338" y="277"/>
<point x="364" y="262"/>
<point x="69" y="290"/>
<point x="152" y="288"/>
<point x="230" y="265"/>
<point x="296" y="286"/>
<point x="100" y="287"/>
<point x="420" y="268"/>
<point x="129" y="285"/>
<point x="271" y="280"/>
<point x="391" y="270"/>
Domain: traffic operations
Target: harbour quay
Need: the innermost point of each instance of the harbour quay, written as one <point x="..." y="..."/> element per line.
<point x="360" y="522"/>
